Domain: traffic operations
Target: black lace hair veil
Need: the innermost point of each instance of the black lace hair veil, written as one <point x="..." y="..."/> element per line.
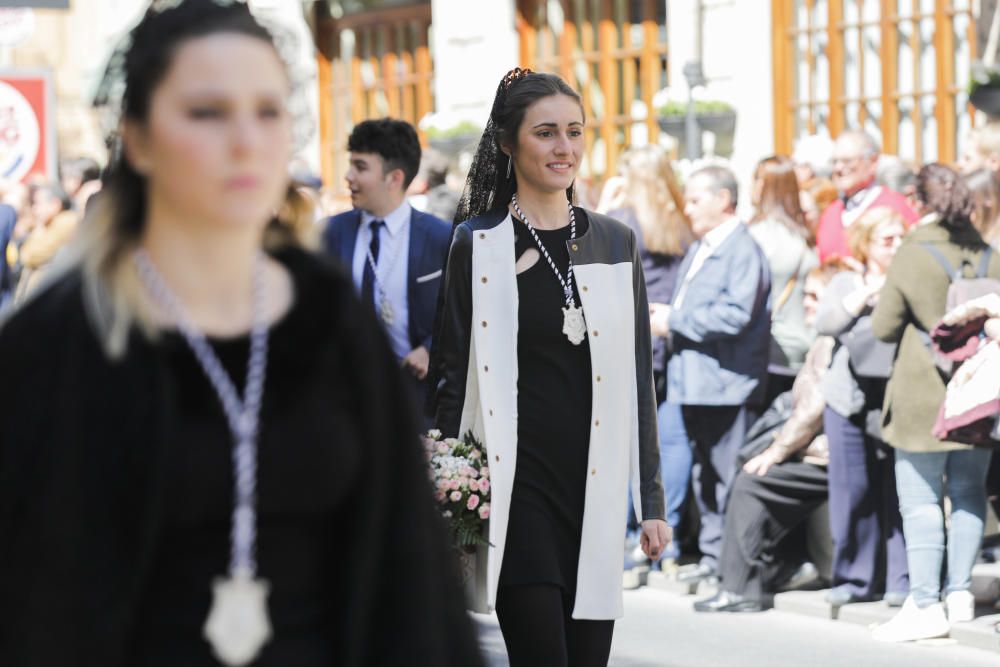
<point x="488" y="184"/>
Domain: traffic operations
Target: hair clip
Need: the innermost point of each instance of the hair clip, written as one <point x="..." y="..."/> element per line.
<point x="515" y="74"/>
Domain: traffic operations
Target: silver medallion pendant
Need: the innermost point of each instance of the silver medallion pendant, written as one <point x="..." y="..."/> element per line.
<point x="386" y="312"/>
<point x="238" y="625"/>
<point x="574" y="326"/>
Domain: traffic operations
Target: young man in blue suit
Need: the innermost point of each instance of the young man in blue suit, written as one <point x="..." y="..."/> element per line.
<point x="719" y="328"/>
<point x="396" y="253"/>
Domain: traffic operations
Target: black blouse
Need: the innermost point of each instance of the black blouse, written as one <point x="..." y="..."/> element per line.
<point x="553" y="432"/>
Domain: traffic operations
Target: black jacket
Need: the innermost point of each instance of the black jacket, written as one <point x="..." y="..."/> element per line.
<point x="82" y="465"/>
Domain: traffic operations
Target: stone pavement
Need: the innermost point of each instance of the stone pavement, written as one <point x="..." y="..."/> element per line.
<point x="660" y="629"/>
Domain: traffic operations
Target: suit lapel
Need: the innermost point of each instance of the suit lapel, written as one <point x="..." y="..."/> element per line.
<point x="350" y="238"/>
<point x="684" y="268"/>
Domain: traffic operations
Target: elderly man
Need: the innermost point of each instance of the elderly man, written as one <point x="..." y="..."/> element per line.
<point x="719" y="328"/>
<point x="855" y="166"/>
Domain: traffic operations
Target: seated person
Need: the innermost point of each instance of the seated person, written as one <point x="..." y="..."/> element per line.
<point x="779" y="488"/>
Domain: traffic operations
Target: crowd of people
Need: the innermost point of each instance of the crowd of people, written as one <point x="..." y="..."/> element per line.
<point x="799" y="350"/>
<point x="783" y="369"/>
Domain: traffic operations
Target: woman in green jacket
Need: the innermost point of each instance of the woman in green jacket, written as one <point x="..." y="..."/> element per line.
<point x="912" y="301"/>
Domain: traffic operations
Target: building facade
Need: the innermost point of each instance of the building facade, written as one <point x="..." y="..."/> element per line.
<point x="787" y="68"/>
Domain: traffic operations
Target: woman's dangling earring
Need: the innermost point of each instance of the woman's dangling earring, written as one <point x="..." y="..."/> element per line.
<point x="510" y="161"/>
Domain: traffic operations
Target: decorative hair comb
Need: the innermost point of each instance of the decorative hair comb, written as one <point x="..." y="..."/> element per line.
<point x="515" y="74"/>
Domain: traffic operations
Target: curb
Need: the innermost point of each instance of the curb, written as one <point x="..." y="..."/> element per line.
<point x="980" y="633"/>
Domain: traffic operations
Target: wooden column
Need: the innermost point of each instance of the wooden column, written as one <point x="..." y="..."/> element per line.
<point x="835" y="58"/>
<point x="649" y="67"/>
<point x="528" y="50"/>
<point x="607" y="38"/>
<point x="889" y="54"/>
<point x="918" y="118"/>
<point x="390" y="80"/>
<point x="425" y="101"/>
<point x="944" y="107"/>
<point x="324" y="70"/>
<point x="781" y="65"/>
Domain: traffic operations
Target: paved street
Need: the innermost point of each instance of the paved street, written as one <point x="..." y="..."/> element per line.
<point x="660" y="630"/>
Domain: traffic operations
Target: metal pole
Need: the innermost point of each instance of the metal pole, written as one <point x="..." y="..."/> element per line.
<point x="694" y="77"/>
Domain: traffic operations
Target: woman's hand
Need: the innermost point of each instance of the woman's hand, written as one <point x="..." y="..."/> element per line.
<point x="656" y="535"/>
<point x="865" y="295"/>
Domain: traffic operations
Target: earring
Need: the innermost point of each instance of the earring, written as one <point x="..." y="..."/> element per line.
<point x="510" y="161"/>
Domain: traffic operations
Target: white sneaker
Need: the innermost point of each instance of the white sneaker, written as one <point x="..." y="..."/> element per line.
<point x="913" y="623"/>
<point x="961" y="606"/>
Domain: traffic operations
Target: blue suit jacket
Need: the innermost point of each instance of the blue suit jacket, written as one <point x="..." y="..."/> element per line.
<point x="721" y="334"/>
<point x="430" y="239"/>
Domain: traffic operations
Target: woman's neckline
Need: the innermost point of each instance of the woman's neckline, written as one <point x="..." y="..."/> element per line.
<point x="277" y="323"/>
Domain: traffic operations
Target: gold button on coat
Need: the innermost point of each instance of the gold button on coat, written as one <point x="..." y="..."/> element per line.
<point x="576" y="247"/>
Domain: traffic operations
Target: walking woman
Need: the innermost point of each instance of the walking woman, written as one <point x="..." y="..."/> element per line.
<point x="779" y="227"/>
<point x="652" y="205"/>
<point x="545" y="356"/>
<point x="206" y="453"/>
<point x="869" y="556"/>
<point x="912" y="303"/>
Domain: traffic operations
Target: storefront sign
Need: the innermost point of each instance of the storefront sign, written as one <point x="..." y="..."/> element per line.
<point x="27" y="125"/>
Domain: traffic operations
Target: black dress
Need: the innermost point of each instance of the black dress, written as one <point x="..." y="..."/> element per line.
<point x="309" y="456"/>
<point x="116" y="493"/>
<point x="553" y="431"/>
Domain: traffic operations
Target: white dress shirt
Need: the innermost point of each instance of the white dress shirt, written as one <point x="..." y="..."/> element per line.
<point x="709" y="243"/>
<point x="392" y="270"/>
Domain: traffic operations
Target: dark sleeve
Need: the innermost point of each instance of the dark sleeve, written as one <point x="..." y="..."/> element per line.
<point x="454" y="336"/>
<point x="406" y="605"/>
<point x="650" y="484"/>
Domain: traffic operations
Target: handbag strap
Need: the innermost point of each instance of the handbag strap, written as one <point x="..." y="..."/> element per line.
<point x="786" y="293"/>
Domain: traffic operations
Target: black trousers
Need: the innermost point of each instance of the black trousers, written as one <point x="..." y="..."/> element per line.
<point x="539" y="631"/>
<point x="718" y="432"/>
<point x="763" y="511"/>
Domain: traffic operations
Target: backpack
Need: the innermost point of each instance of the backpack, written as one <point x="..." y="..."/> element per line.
<point x="961" y="289"/>
<point x="964" y="289"/>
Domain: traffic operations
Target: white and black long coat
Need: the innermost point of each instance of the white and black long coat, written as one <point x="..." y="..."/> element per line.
<point x="478" y="363"/>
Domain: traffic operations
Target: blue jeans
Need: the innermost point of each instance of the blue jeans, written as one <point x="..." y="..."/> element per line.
<point x="675" y="460"/>
<point x="675" y="467"/>
<point x="920" y="482"/>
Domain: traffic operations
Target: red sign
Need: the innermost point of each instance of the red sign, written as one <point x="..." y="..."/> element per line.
<point x="27" y="125"/>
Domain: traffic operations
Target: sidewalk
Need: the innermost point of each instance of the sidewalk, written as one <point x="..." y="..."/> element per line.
<point x="979" y="634"/>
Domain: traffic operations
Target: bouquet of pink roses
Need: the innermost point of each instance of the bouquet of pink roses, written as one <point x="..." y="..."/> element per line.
<point x="461" y="481"/>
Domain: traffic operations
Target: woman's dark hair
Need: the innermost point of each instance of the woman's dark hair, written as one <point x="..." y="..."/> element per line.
<point x="152" y="46"/>
<point x="779" y="196"/>
<point x="940" y="189"/>
<point x="487" y="185"/>
<point x="115" y="223"/>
